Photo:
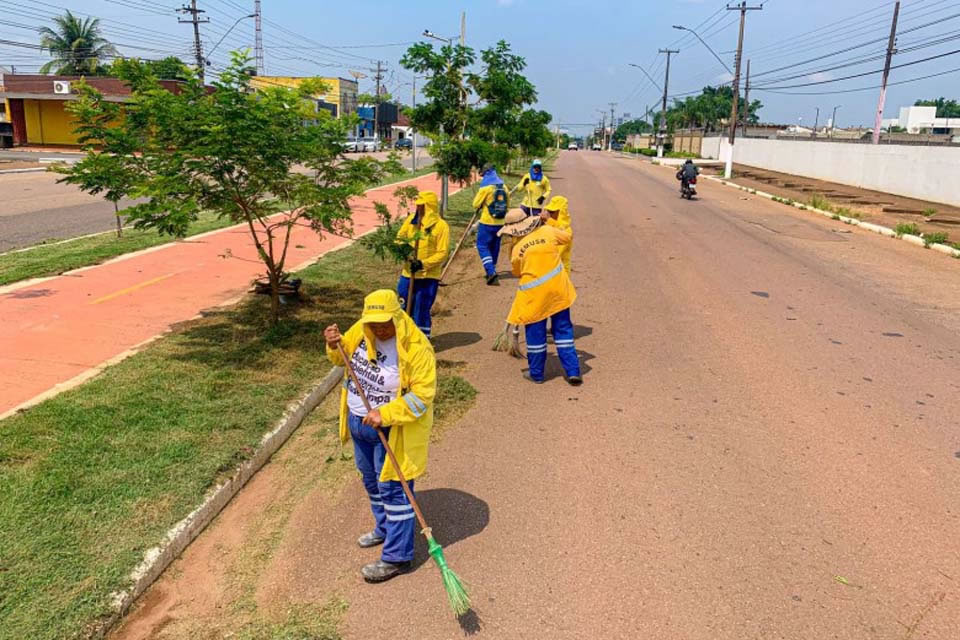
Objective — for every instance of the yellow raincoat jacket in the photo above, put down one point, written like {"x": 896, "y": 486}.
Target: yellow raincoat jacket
{"x": 434, "y": 237}
{"x": 559, "y": 204}
{"x": 411, "y": 414}
{"x": 484, "y": 198}
{"x": 545, "y": 286}
{"x": 533, "y": 189}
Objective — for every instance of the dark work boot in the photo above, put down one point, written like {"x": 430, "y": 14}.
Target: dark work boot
{"x": 368, "y": 540}
{"x": 492, "y": 279}
{"x": 574, "y": 381}
{"x": 381, "y": 571}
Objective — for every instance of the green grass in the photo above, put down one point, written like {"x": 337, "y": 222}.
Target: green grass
{"x": 929, "y": 212}
{"x": 938, "y": 237}
{"x": 93, "y": 477}
{"x": 905, "y": 228}
{"x": 53, "y": 259}
{"x": 818, "y": 201}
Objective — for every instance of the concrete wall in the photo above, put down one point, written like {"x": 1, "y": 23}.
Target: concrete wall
{"x": 927, "y": 173}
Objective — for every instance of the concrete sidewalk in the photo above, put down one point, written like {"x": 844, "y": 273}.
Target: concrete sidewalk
{"x": 57, "y": 332}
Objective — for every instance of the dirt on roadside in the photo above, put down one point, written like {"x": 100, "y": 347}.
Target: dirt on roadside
{"x": 6, "y": 165}
{"x": 872, "y": 206}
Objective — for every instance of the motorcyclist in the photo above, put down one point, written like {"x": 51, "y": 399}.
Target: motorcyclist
{"x": 687, "y": 172}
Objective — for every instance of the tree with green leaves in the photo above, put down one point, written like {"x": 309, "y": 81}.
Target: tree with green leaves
{"x": 169, "y": 68}
{"x": 76, "y": 46}
{"x": 945, "y": 108}
{"x": 230, "y": 151}
{"x": 630, "y": 128}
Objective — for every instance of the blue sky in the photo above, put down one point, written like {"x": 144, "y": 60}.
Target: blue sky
{"x": 577, "y": 51}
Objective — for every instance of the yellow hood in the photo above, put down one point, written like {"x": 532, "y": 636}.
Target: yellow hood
{"x": 431, "y": 208}
{"x": 381, "y": 306}
{"x": 559, "y": 203}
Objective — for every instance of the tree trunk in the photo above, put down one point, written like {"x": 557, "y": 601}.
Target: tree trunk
{"x": 116, "y": 212}
{"x": 274, "y": 276}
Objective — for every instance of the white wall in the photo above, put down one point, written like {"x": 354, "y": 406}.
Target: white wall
{"x": 927, "y": 173}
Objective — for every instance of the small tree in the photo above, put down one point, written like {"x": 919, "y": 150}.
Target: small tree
{"x": 383, "y": 241}
{"x": 232, "y": 151}
{"x": 98, "y": 172}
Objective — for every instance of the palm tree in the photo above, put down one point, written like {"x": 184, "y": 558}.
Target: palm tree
{"x": 76, "y": 46}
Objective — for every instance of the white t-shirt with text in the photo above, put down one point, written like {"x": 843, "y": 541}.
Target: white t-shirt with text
{"x": 380, "y": 380}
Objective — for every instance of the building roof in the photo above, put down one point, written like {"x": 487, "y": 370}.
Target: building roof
{"x": 42, "y": 87}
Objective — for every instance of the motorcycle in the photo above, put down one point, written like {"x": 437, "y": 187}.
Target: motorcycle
{"x": 688, "y": 188}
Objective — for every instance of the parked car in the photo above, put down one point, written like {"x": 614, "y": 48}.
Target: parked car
{"x": 616, "y": 146}
{"x": 597, "y": 146}
{"x": 368, "y": 144}
{"x": 403, "y": 143}
{"x": 349, "y": 145}
{"x": 573, "y": 147}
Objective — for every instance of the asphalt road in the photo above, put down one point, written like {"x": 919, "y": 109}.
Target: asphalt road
{"x": 766, "y": 444}
{"x": 34, "y": 208}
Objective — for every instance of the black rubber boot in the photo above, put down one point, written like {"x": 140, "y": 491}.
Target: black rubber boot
{"x": 368, "y": 540}
{"x": 381, "y": 571}
{"x": 574, "y": 381}
{"x": 492, "y": 279}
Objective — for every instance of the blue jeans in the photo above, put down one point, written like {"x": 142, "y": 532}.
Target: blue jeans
{"x": 392, "y": 512}
{"x": 488, "y": 246}
{"x": 424, "y": 293}
{"x": 562, "y": 329}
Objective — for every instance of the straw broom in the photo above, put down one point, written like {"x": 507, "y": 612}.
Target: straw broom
{"x": 456, "y": 593}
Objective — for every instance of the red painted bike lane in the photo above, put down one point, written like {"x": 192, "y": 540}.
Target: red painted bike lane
{"x": 59, "y": 331}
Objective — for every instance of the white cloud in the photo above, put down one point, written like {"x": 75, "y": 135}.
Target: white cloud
{"x": 820, "y": 76}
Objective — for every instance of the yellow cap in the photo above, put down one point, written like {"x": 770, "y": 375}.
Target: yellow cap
{"x": 380, "y": 306}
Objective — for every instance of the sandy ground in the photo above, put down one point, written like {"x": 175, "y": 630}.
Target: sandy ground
{"x": 874, "y": 206}
{"x": 766, "y": 446}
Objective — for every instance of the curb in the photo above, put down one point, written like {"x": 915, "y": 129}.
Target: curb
{"x": 27, "y": 170}
{"x": 158, "y": 558}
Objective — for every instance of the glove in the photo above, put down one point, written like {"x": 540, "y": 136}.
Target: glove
{"x": 541, "y": 199}
{"x": 526, "y": 181}
{"x": 416, "y": 265}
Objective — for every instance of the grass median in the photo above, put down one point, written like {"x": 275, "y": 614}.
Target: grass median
{"x": 59, "y": 257}
{"x": 92, "y": 478}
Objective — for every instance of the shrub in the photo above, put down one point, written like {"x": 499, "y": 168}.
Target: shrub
{"x": 929, "y": 212}
{"x": 938, "y": 237}
{"x": 904, "y": 228}
{"x": 818, "y": 201}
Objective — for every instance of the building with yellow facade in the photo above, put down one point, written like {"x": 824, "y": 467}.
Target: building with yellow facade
{"x": 340, "y": 99}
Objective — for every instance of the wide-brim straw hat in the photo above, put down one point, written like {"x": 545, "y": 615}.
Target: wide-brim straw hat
{"x": 516, "y": 223}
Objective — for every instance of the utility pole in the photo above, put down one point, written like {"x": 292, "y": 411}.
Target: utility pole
{"x": 746, "y": 100}
{"x": 376, "y": 101}
{"x": 878, "y": 122}
{"x": 742, "y": 8}
{"x": 197, "y": 45}
{"x": 258, "y": 46}
{"x": 662, "y": 135}
{"x": 816, "y": 122}
{"x": 613, "y": 127}
{"x": 413, "y": 132}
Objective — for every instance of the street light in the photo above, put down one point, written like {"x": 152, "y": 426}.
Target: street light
{"x": 430, "y": 34}
{"x": 682, "y": 28}
{"x": 207, "y": 60}
{"x": 646, "y": 74}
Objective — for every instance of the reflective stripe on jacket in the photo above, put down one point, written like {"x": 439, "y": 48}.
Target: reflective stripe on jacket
{"x": 545, "y": 286}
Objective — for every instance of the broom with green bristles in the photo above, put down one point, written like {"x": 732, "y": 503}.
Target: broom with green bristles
{"x": 456, "y": 593}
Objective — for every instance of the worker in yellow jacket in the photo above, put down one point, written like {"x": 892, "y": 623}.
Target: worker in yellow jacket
{"x": 536, "y": 188}
{"x": 425, "y": 267}
{"x": 493, "y": 202}
{"x": 545, "y": 293}
{"x": 556, "y": 214}
{"x": 396, "y": 367}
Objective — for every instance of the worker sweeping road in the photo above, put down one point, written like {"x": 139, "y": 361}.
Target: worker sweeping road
{"x": 557, "y": 215}
{"x": 396, "y": 367}
{"x": 536, "y": 188}
{"x": 545, "y": 293}
{"x": 493, "y": 201}
{"x": 429, "y": 234}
